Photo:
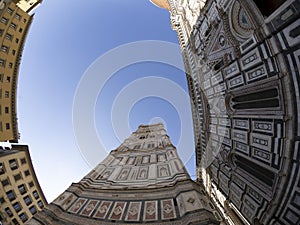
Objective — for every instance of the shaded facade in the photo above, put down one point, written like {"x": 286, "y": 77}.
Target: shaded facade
{"x": 20, "y": 194}
{"x": 242, "y": 65}
{"x": 14, "y": 25}
{"x": 142, "y": 181}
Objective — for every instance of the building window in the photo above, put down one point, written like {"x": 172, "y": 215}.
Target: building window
{"x": 41, "y": 205}
{"x": 17, "y": 16}
{"x": 27, "y": 173}
{"x": 27, "y": 200}
{"x": 13, "y": 164}
{"x": 15, "y": 221}
{"x": 137, "y": 147}
{"x": 9, "y": 212}
{"x": 31, "y": 184}
{"x": 8, "y": 36}
{"x": 2, "y": 168}
{"x": 8, "y": 79}
{"x": 13, "y": 26}
{"x": 2, "y": 62}
{"x": 23, "y": 217}
{"x": 4, "y": 48}
{"x": 7, "y": 125}
{"x": 11, "y": 195}
{"x": 1, "y": 77}
{"x": 22, "y": 189}
{"x": 24, "y": 20}
{"x": 35, "y": 194}
{"x": 13, "y": 52}
{"x": 151, "y": 145}
{"x": 6, "y": 110}
{"x": 5, "y": 182}
{"x": 2, "y": 200}
{"x": 17, "y": 207}
{"x": 32, "y": 209}
{"x": 23, "y": 161}
{"x": 9, "y": 10}
{"x": 20, "y": 30}
{"x": 18, "y": 177}
{"x": 17, "y": 40}
{"x": 6, "y": 94}
{"x": 10, "y": 65}
{"x": 4, "y": 20}
{"x": 1, "y": 32}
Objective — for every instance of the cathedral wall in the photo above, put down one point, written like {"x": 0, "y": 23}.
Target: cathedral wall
{"x": 242, "y": 65}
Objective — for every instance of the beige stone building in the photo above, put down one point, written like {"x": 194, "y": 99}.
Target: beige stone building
{"x": 142, "y": 181}
{"x": 21, "y": 196}
{"x": 14, "y": 24}
{"x": 242, "y": 65}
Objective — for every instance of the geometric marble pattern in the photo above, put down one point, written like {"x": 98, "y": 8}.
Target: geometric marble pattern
{"x": 247, "y": 54}
{"x": 137, "y": 183}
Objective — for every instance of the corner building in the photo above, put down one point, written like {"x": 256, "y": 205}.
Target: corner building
{"x": 143, "y": 181}
{"x": 15, "y": 21}
{"x": 21, "y": 196}
{"x": 242, "y": 65}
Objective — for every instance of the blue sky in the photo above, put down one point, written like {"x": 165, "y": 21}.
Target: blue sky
{"x": 65, "y": 39}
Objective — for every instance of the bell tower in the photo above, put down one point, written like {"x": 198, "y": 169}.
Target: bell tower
{"x": 142, "y": 181}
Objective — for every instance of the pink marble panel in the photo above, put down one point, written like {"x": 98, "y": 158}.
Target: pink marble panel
{"x": 134, "y": 211}
{"x": 89, "y": 208}
{"x": 167, "y": 209}
{"x": 77, "y": 205}
{"x": 150, "y": 211}
{"x": 117, "y": 211}
{"x": 103, "y": 209}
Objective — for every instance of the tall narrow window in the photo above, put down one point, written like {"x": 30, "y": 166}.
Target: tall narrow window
{"x": 2, "y": 62}
{"x": 17, "y": 207}
{"x": 5, "y": 182}
{"x": 41, "y": 205}
{"x": 261, "y": 99}
{"x": 9, "y": 212}
{"x": 13, "y": 164}
{"x": 257, "y": 171}
{"x": 32, "y": 209}
{"x": 22, "y": 189}
{"x": 11, "y": 195}
{"x": 27, "y": 200}
{"x": 35, "y": 194}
